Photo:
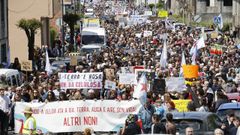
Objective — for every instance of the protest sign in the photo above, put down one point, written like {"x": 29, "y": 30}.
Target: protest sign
{"x": 81, "y": 80}
{"x": 128, "y": 78}
{"x": 175, "y": 84}
{"x": 190, "y": 71}
{"x": 110, "y": 85}
{"x": 148, "y": 13}
{"x": 181, "y": 105}
{"x": 26, "y": 65}
{"x": 73, "y": 61}
{"x": 138, "y": 19}
{"x": 162, "y": 13}
{"x": 75, "y": 116}
{"x": 149, "y": 75}
{"x": 91, "y": 22}
{"x": 147, "y": 33}
{"x": 127, "y": 70}
{"x": 214, "y": 34}
{"x": 138, "y": 35}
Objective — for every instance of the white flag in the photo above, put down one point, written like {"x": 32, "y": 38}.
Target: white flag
{"x": 194, "y": 55}
{"x": 200, "y": 43}
{"x": 48, "y": 67}
{"x": 168, "y": 25}
{"x": 163, "y": 60}
{"x": 220, "y": 25}
{"x": 141, "y": 90}
{"x": 183, "y": 62}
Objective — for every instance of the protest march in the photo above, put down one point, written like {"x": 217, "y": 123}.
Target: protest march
{"x": 133, "y": 73}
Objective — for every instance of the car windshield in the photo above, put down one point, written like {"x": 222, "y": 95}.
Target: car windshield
{"x": 223, "y": 113}
{"x": 183, "y": 124}
{"x": 89, "y": 50}
{"x": 92, "y": 39}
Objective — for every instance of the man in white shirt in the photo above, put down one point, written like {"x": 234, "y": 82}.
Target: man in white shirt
{"x": 4, "y": 111}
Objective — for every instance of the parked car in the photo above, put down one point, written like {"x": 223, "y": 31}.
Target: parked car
{"x": 13, "y": 77}
{"x": 203, "y": 123}
{"x": 225, "y": 108}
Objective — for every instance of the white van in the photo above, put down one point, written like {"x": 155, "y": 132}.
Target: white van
{"x": 13, "y": 77}
{"x": 93, "y": 36}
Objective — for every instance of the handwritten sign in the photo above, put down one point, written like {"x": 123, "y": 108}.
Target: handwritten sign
{"x": 73, "y": 61}
{"x": 26, "y": 65}
{"x": 81, "y": 80}
{"x": 110, "y": 85}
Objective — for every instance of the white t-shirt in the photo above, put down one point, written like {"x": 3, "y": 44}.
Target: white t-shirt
{"x": 4, "y": 103}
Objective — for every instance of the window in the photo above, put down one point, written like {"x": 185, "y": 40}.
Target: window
{"x": 213, "y": 122}
{"x": 207, "y": 3}
{"x": 3, "y": 53}
{"x": 2, "y": 11}
{"x": 227, "y": 2}
{"x": 9, "y": 81}
{"x": 14, "y": 80}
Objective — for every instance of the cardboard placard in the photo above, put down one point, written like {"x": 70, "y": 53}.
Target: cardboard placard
{"x": 110, "y": 85}
{"x": 26, "y": 65}
{"x": 190, "y": 71}
{"x": 214, "y": 35}
{"x": 73, "y": 61}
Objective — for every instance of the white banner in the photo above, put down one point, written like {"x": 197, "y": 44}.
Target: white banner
{"x": 75, "y": 116}
{"x": 128, "y": 78}
{"x": 81, "y": 80}
{"x": 110, "y": 85}
{"x": 175, "y": 84}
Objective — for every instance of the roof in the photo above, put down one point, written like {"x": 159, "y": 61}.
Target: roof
{"x": 190, "y": 115}
{"x": 91, "y": 46}
{"x": 228, "y": 106}
{"x": 8, "y": 71}
{"x": 93, "y": 31}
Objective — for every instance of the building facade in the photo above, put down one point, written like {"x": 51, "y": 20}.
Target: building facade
{"x": 3, "y": 32}
{"x": 43, "y": 10}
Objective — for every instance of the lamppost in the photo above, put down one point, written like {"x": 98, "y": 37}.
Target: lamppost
{"x": 63, "y": 34}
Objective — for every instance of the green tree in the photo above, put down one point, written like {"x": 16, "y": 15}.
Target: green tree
{"x": 53, "y": 35}
{"x": 151, "y": 6}
{"x": 71, "y": 20}
{"x": 160, "y": 4}
{"x": 30, "y": 26}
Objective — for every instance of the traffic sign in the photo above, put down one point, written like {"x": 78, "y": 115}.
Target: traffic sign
{"x": 216, "y": 20}
{"x": 197, "y": 18}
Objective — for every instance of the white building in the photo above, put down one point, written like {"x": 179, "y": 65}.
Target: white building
{"x": 3, "y": 31}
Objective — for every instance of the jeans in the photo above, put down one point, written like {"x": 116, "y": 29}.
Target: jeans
{"x": 4, "y": 122}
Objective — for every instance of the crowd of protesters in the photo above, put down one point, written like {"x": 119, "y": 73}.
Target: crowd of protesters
{"x": 220, "y": 76}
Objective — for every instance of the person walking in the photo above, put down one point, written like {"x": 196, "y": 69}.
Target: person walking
{"x": 170, "y": 126}
{"x": 30, "y": 125}
{"x": 4, "y": 111}
{"x": 157, "y": 126}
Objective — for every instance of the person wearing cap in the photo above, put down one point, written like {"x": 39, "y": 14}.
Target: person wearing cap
{"x": 4, "y": 111}
{"x": 145, "y": 114}
{"x": 30, "y": 125}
